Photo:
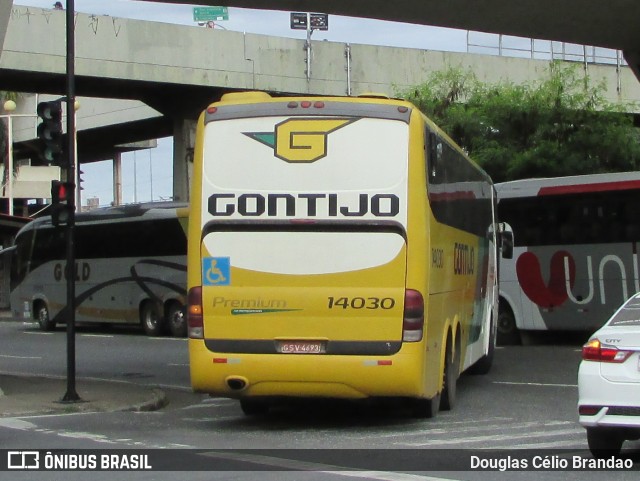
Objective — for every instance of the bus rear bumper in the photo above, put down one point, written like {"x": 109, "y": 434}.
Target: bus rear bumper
{"x": 309, "y": 375}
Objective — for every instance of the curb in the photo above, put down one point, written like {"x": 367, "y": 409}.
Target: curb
{"x": 158, "y": 402}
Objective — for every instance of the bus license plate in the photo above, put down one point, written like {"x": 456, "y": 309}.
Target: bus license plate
{"x": 301, "y": 347}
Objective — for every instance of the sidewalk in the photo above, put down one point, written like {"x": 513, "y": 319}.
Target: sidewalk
{"x": 25, "y": 395}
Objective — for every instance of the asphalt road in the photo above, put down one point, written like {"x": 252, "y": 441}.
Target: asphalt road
{"x": 527, "y": 402}
{"x": 122, "y": 353}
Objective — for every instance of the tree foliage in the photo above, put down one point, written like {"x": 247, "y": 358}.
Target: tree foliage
{"x": 559, "y": 126}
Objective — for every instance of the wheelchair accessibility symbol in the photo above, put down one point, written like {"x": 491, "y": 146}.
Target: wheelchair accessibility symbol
{"x": 216, "y": 271}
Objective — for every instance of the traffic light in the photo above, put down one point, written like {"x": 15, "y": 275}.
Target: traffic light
{"x": 60, "y": 208}
{"x": 50, "y": 132}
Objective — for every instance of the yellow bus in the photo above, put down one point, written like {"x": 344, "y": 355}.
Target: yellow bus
{"x": 338, "y": 248}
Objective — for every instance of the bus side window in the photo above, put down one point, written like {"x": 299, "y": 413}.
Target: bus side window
{"x": 434, "y": 157}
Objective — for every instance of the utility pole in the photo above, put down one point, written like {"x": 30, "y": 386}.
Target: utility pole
{"x": 71, "y": 395}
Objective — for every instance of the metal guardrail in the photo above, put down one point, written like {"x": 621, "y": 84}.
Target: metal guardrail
{"x": 535, "y": 49}
{"x": 510, "y": 46}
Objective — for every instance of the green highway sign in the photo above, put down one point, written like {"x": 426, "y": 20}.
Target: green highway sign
{"x": 207, "y": 14}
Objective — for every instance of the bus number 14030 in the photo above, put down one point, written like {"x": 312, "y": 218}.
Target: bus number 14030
{"x": 361, "y": 303}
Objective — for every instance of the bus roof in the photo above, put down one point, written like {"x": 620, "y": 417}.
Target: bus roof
{"x": 574, "y": 184}
{"x": 130, "y": 210}
{"x": 146, "y": 210}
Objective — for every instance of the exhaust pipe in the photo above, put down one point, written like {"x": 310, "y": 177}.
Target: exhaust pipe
{"x": 237, "y": 383}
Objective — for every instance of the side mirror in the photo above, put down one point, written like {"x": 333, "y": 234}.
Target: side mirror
{"x": 506, "y": 240}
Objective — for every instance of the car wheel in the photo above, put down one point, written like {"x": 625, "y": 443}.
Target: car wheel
{"x": 254, "y": 407}
{"x": 151, "y": 322}
{"x": 508, "y": 334}
{"x": 42, "y": 315}
{"x": 604, "y": 443}
{"x": 176, "y": 320}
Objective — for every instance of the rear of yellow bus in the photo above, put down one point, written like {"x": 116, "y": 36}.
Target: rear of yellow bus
{"x": 298, "y": 241}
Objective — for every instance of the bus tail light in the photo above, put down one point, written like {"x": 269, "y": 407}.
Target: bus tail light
{"x": 195, "y": 319}
{"x": 413, "y": 320}
{"x": 595, "y": 351}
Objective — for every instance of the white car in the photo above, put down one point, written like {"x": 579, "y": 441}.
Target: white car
{"x": 609, "y": 382}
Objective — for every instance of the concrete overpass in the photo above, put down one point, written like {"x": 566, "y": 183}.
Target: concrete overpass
{"x": 177, "y": 70}
{"x": 612, "y": 24}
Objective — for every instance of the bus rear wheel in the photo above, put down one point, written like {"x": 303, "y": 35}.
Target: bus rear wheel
{"x": 448, "y": 397}
{"x": 425, "y": 408}
{"x": 151, "y": 321}
{"x": 42, "y": 315}
{"x": 176, "y": 320}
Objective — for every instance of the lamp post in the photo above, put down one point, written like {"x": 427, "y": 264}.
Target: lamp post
{"x": 9, "y": 106}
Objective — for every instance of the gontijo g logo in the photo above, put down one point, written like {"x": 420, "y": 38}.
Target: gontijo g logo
{"x": 301, "y": 140}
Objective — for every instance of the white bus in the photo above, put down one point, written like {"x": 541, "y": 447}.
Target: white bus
{"x": 130, "y": 268}
{"x": 575, "y": 258}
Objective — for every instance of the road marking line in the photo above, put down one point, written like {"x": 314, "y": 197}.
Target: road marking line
{"x": 550, "y": 445}
{"x": 16, "y": 423}
{"x": 19, "y": 357}
{"x": 175, "y": 387}
{"x": 470, "y": 429}
{"x": 40, "y": 333}
{"x": 494, "y": 437}
{"x": 291, "y": 464}
{"x": 539, "y": 384}
{"x": 99, "y": 438}
{"x": 97, "y": 335}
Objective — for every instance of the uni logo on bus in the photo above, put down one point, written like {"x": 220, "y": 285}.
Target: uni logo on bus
{"x": 301, "y": 140}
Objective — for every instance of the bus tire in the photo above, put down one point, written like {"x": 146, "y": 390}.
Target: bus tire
{"x": 450, "y": 375}
{"x": 151, "y": 321}
{"x": 425, "y": 408}
{"x": 42, "y": 316}
{"x": 508, "y": 334}
{"x": 177, "y": 320}
{"x": 254, "y": 407}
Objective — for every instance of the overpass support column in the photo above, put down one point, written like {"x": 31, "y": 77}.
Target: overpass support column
{"x": 5, "y": 12}
{"x": 184, "y": 134}
{"x": 117, "y": 179}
